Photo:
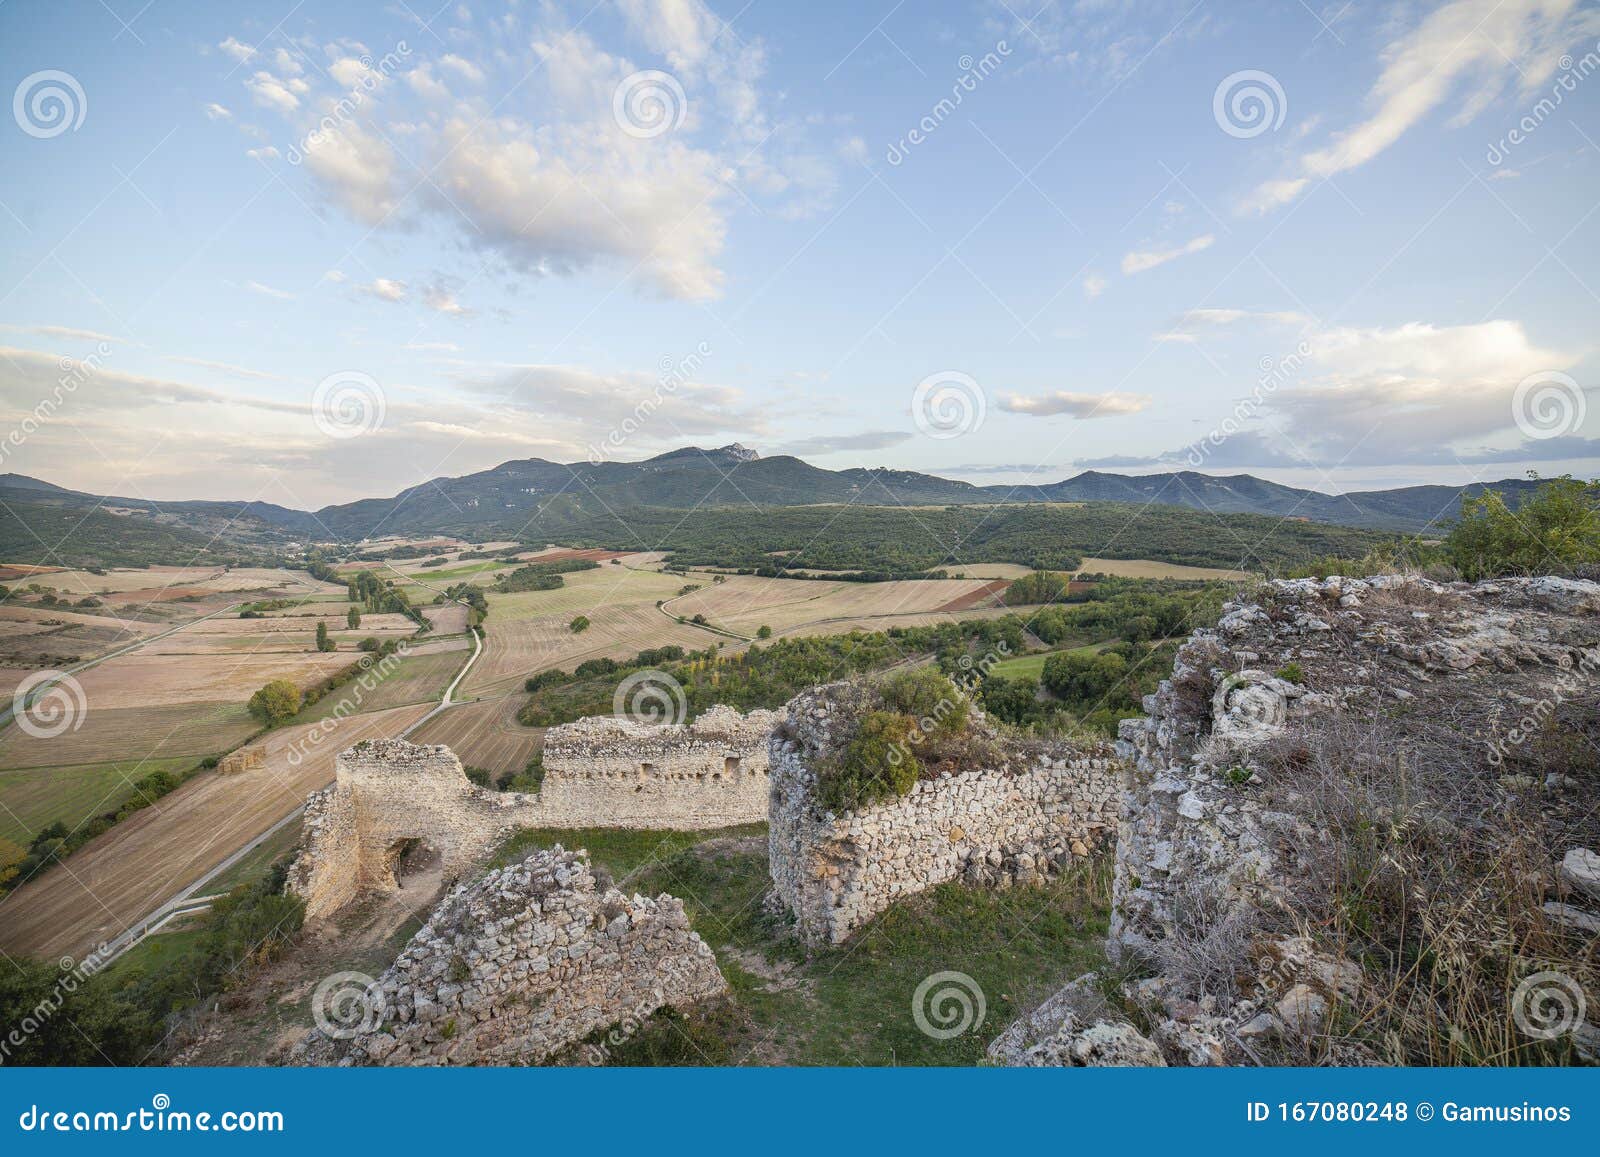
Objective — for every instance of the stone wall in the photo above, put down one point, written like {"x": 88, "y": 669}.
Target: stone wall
{"x": 514, "y": 968}
{"x": 1014, "y": 823}
{"x": 390, "y": 798}
{"x": 610, "y": 771}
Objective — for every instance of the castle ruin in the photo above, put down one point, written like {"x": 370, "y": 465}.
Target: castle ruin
{"x": 396, "y": 808}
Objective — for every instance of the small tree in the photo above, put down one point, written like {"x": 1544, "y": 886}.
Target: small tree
{"x": 352, "y": 618}
{"x": 764, "y": 632}
{"x": 275, "y": 702}
{"x": 1556, "y": 529}
{"x": 579, "y": 625}
{"x": 323, "y": 642}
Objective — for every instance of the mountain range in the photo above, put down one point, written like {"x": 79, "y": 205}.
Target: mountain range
{"x": 520, "y": 494}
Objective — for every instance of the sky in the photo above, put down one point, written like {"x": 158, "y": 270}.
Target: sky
{"x": 308, "y": 253}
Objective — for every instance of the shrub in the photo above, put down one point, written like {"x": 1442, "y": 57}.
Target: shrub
{"x": 1292, "y": 672}
{"x": 877, "y": 763}
{"x": 764, "y": 632}
{"x": 579, "y": 624}
{"x": 1555, "y": 530}
{"x": 275, "y": 702}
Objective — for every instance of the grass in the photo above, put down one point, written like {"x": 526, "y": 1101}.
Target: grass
{"x": 415, "y": 679}
{"x": 851, "y": 1004}
{"x": 33, "y": 798}
{"x": 1032, "y": 666}
{"x": 257, "y": 863}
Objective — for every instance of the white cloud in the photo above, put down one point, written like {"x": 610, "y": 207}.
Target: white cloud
{"x": 441, "y": 300}
{"x": 216, "y": 112}
{"x": 1471, "y": 48}
{"x": 268, "y": 291}
{"x": 1140, "y": 260}
{"x": 224, "y": 367}
{"x": 433, "y": 346}
{"x": 1413, "y": 393}
{"x": 265, "y": 153}
{"x": 65, "y": 331}
{"x": 461, "y": 67}
{"x": 553, "y": 184}
{"x": 239, "y": 52}
{"x": 1094, "y": 285}
{"x": 386, "y": 289}
{"x": 271, "y": 92}
{"x": 1108, "y": 405}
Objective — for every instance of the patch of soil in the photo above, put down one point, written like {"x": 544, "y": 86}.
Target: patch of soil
{"x": 982, "y": 596}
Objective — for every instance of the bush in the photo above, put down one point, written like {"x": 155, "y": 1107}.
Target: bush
{"x": 275, "y": 702}
{"x": 764, "y": 632}
{"x": 579, "y": 624}
{"x": 1552, "y": 532}
{"x": 877, "y": 764}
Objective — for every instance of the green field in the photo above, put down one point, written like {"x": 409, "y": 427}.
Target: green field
{"x": 35, "y": 797}
{"x": 415, "y": 679}
{"x": 1032, "y": 666}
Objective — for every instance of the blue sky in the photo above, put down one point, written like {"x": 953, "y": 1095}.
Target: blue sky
{"x": 798, "y": 238}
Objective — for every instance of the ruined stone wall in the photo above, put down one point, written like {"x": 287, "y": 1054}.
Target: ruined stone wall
{"x": 514, "y": 968}
{"x": 1016, "y": 823}
{"x": 1209, "y": 853}
{"x": 616, "y": 772}
{"x": 599, "y": 772}
{"x": 387, "y": 792}
{"x": 1398, "y": 649}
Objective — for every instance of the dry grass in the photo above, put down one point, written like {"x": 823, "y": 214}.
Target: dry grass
{"x": 1432, "y": 871}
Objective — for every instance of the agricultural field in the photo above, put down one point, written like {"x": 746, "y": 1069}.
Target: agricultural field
{"x": 120, "y": 876}
{"x": 420, "y": 677}
{"x": 1145, "y": 568}
{"x": 485, "y": 734}
{"x": 744, "y": 603}
{"x": 528, "y": 631}
{"x": 177, "y": 696}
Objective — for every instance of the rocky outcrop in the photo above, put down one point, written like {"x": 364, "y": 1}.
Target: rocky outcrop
{"x": 1217, "y": 841}
{"x": 1041, "y": 806}
{"x": 514, "y": 968}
